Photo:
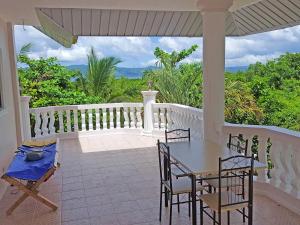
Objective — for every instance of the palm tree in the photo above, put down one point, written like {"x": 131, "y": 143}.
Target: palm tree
{"x": 25, "y": 49}
{"x": 100, "y": 70}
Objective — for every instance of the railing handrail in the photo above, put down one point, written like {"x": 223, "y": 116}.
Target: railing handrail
{"x": 169, "y": 105}
{"x": 86, "y": 106}
{"x": 278, "y": 132}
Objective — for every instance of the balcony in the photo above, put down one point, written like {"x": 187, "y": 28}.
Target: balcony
{"x": 109, "y": 167}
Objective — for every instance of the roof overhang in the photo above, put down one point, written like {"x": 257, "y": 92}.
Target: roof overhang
{"x": 65, "y": 20}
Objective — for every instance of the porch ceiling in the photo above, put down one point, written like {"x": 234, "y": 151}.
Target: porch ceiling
{"x": 262, "y": 16}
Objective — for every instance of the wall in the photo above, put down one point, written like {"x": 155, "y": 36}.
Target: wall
{"x": 8, "y": 140}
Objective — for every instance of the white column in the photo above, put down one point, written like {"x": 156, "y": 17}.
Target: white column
{"x": 15, "y": 81}
{"x": 26, "y": 128}
{"x": 149, "y": 98}
{"x": 213, "y": 14}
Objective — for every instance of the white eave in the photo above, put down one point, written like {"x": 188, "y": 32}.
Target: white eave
{"x": 262, "y": 16}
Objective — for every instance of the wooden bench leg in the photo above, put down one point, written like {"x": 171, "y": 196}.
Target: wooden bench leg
{"x": 30, "y": 191}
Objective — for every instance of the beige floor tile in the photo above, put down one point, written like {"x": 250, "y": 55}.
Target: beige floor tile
{"x": 114, "y": 180}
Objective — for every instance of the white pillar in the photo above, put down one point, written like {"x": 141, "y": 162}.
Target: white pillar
{"x": 149, "y": 98}
{"x": 213, "y": 14}
{"x": 26, "y": 134}
{"x": 14, "y": 80}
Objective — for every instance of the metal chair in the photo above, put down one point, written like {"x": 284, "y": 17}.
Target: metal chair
{"x": 232, "y": 170}
{"x": 172, "y": 186}
{"x": 238, "y": 144}
{"x": 178, "y": 135}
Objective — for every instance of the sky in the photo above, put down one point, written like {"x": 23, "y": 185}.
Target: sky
{"x": 138, "y": 51}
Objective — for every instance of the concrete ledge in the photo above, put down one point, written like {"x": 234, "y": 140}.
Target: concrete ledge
{"x": 277, "y": 195}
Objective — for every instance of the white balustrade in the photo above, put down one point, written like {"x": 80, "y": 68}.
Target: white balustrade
{"x": 111, "y": 118}
{"x": 37, "y": 126}
{"x": 284, "y": 154}
{"x": 98, "y": 125}
{"x": 83, "y": 121}
{"x": 126, "y": 118}
{"x": 172, "y": 116}
{"x": 49, "y": 121}
{"x": 118, "y": 117}
{"x": 132, "y": 117}
{"x": 139, "y": 122}
{"x": 104, "y": 111}
{"x": 68, "y": 121}
{"x": 90, "y": 124}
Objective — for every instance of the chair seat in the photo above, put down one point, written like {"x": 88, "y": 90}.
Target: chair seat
{"x": 182, "y": 185}
{"x": 225, "y": 182}
{"x": 176, "y": 171}
{"x": 227, "y": 197}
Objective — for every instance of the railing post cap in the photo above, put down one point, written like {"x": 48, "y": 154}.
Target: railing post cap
{"x": 149, "y": 93}
{"x": 25, "y": 98}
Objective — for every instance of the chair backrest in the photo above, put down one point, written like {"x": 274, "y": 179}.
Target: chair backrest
{"x": 165, "y": 169}
{"x": 232, "y": 172}
{"x": 178, "y": 135}
{"x": 238, "y": 144}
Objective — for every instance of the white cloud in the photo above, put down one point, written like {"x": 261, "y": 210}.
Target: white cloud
{"x": 138, "y": 51}
{"x": 170, "y": 43}
{"x": 151, "y": 62}
{"x": 251, "y": 59}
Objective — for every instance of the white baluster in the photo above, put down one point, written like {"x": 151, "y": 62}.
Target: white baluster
{"x": 296, "y": 168}
{"x": 276, "y": 160}
{"x": 90, "y": 124}
{"x": 126, "y": 118}
{"x": 156, "y": 120}
{"x": 104, "y": 112}
{"x": 287, "y": 173}
{"x": 139, "y": 117}
{"x": 61, "y": 122}
{"x": 111, "y": 118}
{"x": 132, "y": 117}
{"x": 118, "y": 125}
{"x": 169, "y": 119}
{"x": 45, "y": 121}
{"x": 51, "y": 123}
{"x": 37, "y": 130}
{"x": 97, "y": 119}
{"x": 83, "y": 122}
{"x": 171, "y": 116}
{"x": 68, "y": 121}
{"x": 162, "y": 118}
{"x": 262, "y": 156}
{"x": 247, "y": 136}
{"x": 75, "y": 113}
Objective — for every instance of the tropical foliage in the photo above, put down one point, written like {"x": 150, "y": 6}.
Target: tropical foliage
{"x": 49, "y": 83}
{"x": 267, "y": 94}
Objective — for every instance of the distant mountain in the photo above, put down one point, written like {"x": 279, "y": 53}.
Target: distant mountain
{"x": 134, "y": 73}
{"x": 235, "y": 69}
{"x": 120, "y": 71}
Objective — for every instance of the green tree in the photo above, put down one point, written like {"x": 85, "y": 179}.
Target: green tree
{"x": 25, "y": 49}
{"x": 177, "y": 83}
{"x": 100, "y": 72}
{"x": 50, "y": 84}
{"x": 170, "y": 60}
{"x": 240, "y": 104}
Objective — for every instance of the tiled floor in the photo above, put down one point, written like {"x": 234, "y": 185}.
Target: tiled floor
{"x": 113, "y": 180}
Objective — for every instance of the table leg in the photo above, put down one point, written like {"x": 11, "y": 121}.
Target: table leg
{"x": 165, "y": 177}
{"x": 194, "y": 205}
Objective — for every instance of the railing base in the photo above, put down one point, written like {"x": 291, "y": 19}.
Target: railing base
{"x": 288, "y": 201}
